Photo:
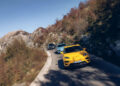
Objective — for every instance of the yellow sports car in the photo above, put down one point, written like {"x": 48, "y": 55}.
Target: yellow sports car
{"x": 74, "y": 54}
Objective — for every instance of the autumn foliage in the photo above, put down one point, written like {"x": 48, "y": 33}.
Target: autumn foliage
{"x": 95, "y": 24}
{"x": 20, "y": 63}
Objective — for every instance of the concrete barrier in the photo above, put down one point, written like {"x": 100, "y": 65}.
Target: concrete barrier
{"x": 44, "y": 70}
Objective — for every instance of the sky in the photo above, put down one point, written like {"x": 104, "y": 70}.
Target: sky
{"x": 28, "y": 15}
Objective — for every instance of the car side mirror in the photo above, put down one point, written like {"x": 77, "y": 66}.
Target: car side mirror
{"x": 61, "y": 52}
{"x": 84, "y": 49}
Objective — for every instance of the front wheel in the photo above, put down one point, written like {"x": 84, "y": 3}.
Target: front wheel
{"x": 66, "y": 67}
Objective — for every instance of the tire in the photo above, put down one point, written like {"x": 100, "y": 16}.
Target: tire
{"x": 65, "y": 67}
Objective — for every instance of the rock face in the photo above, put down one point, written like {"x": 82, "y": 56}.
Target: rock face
{"x": 8, "y": 39}
{"x": 39, "y": 36}
{"x": 27, "y": 37}
{"x": 38, "y": 32}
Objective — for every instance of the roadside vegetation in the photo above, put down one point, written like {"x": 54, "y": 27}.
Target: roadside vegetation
{"x": 20, "y": 63}
{"x": 95, "y": 25}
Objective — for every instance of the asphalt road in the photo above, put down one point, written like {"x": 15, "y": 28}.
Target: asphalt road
{"x": 98, "y": 73}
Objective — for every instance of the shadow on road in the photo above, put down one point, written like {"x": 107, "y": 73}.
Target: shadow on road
{"x": 71, "y": 68}
{"x": 99, "y": 73}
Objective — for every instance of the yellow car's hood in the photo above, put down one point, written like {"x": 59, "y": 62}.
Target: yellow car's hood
{"x": 76, "y": 56}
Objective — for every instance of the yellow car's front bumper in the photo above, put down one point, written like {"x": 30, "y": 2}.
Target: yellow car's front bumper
{"x": 68, "y": 63}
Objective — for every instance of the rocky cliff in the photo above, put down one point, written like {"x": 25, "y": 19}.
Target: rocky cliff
{"x": 28, "y": 38}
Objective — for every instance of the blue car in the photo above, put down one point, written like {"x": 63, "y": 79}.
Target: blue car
{"x": 60, "y": 48}
{"x": 51, "y": 46}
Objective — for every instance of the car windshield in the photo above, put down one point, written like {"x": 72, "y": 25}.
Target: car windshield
{"x": 51, "y": 44}
{"x": 61, "y": 45}
{"x": 72, "y": 49}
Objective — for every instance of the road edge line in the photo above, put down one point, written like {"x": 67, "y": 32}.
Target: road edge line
{"x": 40, "y": 77}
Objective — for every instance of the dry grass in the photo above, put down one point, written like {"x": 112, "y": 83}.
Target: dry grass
{"x": 20, "y": 63}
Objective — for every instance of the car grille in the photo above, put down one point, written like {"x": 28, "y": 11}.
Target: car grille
{"x": 66, "y": 61}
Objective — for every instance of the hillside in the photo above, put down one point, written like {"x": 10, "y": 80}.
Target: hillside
{"x": 20, "y": 58}
{"x": 30, "y": 39}
{"x": 95, "y": 25}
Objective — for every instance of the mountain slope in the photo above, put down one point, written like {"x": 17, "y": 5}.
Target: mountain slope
{"x": 20, "y": 58}
{"x": 95, "y": 25}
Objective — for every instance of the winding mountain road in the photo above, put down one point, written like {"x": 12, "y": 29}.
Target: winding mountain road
{"x": 98, "y": 73}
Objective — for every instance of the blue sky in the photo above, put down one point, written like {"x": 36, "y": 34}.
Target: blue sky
{"x": 28, "y": 15}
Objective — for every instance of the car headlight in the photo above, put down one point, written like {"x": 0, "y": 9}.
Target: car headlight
{"x": 84, "y": 54}
{"x": 66, "y": 57}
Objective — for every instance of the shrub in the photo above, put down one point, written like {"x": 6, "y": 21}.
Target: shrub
{"x": 20, "y": 63}
{"x": 100, "y": 19}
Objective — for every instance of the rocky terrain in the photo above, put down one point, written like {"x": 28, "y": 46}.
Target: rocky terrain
{"x": 20, "y": 34}
{"x": 20, "y": 57}
{"x": 8, "y": 39}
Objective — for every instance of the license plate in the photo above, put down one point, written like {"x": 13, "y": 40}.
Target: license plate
{"x": 77, "y": 61}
